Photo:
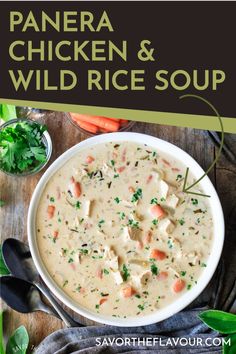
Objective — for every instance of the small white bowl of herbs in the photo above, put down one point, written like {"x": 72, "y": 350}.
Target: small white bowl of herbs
{"x": 25, "y": 147}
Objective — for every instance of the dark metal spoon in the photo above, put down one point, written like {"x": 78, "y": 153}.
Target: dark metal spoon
{"x": 19, "y": 261}
{"x": 22, "y": 296}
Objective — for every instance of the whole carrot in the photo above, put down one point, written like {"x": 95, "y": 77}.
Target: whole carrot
{"x": 101, "y": 122}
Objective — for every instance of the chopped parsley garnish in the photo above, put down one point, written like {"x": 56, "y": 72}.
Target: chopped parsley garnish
{"x": 78, "y": 204}
{"x": 137, "y": 296}
{"x": 141, "y": 307}
{"x": 70, "y": 260}
{"x": 181, "y": 222}
{"x": 194, "y": 201}
{"x": 52, "y": 199}
{"x": 189, "y": 286}
{"x": 97, "y": 306}
{"x": 116, "y": 175}
{"x": 78, "y": 288}
{"x": 83, "y": 251}
{"x": 125, "y": 272}
{"x": 182, "y": 273}
{"x": 203, "y": 265}
{"x": 2, "y": 203}
{"x": 154, "y": 269}
{"x": 154, "y": 201}
{"x": 100, "y": 223}
{"x": 163, "y": 199}
{"x": 170, "y": 244}
{"x": 155, "y": 222}
{"x": 137, "y": 195}
{"x": 112, "y": 162}
{"x": 178, "y": 177}
{"x": 122, "y": 215}
{"x": 133, "y": 223}
{"x": 117, "y": 200}
{"x": 105, "y": 271}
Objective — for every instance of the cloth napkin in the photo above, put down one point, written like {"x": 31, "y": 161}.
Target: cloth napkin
{"x": 220, "y": 294}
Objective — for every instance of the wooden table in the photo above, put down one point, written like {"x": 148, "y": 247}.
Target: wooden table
{"x": 16, "y": 192}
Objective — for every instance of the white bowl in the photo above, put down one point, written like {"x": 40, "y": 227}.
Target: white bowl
{"x": 218, "y": 234}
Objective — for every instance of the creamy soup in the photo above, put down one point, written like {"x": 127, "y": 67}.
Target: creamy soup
{"x": 116, "y": 232}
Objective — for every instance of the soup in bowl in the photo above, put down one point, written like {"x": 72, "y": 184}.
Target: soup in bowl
{"x": 115, "y": 237}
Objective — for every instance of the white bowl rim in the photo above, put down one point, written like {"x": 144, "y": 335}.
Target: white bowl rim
{"x": 206, "y": 185}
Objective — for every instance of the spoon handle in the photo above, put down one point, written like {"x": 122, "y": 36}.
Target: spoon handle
{"x": 66, "y": 318}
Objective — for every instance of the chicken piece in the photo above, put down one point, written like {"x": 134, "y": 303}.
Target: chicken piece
{"x": 193, "y": 257}
{"x": 157, "y": 174}
{"x": 88, "y": 205}
{"x": 118, "y": 277}
{"x": 164, "y": 188}
{"x": 172, "y": 201}
{"x": 111, "y": 259}
{"x": 142, "y": 279}
{"x": 107, "y": 170}
{"x": 166, "y": 226}
{"x": 131, "y": 233}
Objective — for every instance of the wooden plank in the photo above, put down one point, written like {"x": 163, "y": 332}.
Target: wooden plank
{"x": 17, "y": 193}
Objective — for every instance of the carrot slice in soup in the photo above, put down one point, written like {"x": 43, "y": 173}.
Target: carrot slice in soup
{"x": 89, "y": 159}
{"x": 157, "y": 254}
{"x": 51, "y": 211}
{"x": 128, "y": 291}
{"x": 102, "y": 301}
{"x": 179, "y": 285}
{"x": 157, "y": 211}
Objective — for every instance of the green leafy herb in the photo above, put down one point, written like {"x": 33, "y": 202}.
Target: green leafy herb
{"x": 141, "y": 307}
{"x": 194, "y": 201}
{"x": 170, "y": 243}
{"x": 83, "y": 251}
{"x": 220, "y": 321}
{"x": 21, "y": 147}
{"x": 52, "y": 199}
{"x": 97, "y": 306}
{"x": 137, "y": 195}
{"x": 116, "y": 175}
{"x": 117, "y": 200}
{"x": 133, "y": 223}
{"x": 2, "y": 203}
{"x": 112, "y": 162}
{"x": 229, "y": 348}
{"x": 181, "y": 222}
{"x": 100, "y": 223}
{"x": 3, "y": 268}
{"x": 70, "y": 260}
{"x": 125, "y": 272}
{"x": 105, "y": 271}
{"x": 183, "y": 273}
{"x": 7, "y": 112}
{"x": 122, "y": 215}
{"x": 154, "y": 201}
{"x": 78, "y": 204}
{"x": 155, "y": 222}
{"x": 18, "y": 342}
{"x": 154, "y": 269}
{"x": 178, "y": 177}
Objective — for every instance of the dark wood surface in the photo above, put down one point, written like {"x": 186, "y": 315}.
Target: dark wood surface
{"x": 17, "y": 193}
